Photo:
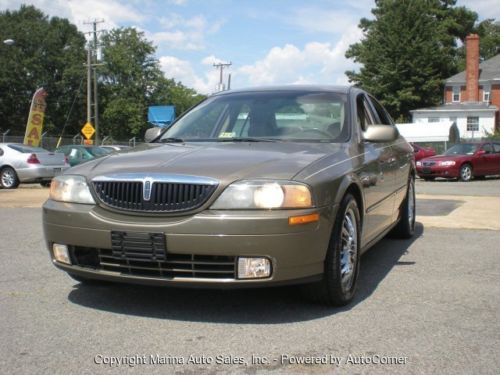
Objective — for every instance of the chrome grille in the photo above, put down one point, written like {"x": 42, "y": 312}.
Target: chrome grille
{"x": 428, "y": 163}
{"x": 163, "y": 196}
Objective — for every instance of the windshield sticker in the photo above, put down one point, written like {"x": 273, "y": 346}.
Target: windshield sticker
{"x": 227, "y": 135}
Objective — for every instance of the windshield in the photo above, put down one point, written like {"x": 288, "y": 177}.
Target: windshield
{"x": 27, "y": 149}
{"x": 263, "y": 116}
{"x": 462, "y": 149}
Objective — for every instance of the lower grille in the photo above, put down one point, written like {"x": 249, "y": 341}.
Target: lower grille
{"x": 144, "y": 254}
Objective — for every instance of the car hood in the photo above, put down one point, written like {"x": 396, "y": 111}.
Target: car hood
{"x": 225, "y": 162}
{"x": 445, "y": 157}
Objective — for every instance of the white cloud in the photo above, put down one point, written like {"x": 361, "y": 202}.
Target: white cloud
{"x": 315, "y": 63}
{"x": 485, "y": 8}
{"x": 177, "y": 2}
{"x": 113, "y": 12}
{"x": 182, "y": 70}
{"x": 184, "y": 33}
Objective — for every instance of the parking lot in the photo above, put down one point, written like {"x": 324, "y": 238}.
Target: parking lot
{"x": 426, "y": 305}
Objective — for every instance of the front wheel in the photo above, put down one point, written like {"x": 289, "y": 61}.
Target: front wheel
{"x": 8, "y": 178}
{"x": 342, "y": 259}
{"x": 466, "y": 172}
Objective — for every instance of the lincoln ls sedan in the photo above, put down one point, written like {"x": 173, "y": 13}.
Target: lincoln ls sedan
{"x": 250, "y": 188}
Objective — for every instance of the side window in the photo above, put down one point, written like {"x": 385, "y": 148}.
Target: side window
{"x": 487, "y": 147}
{"x": 364, "y": 116}
{"x": 496, "y": 148}
{"x": 382, "y": 114}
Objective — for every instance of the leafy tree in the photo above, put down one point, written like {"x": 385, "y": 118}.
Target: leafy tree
{"x": 131, "y": 80}
{"x": 408, "y": 49}
{"x": 489, "y": 33}
{"x": 47, "y": 52}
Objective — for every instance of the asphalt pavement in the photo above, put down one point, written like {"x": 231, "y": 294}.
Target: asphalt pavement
{"x": 430, "y": 305}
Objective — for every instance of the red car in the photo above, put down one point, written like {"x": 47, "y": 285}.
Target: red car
{"x": 422, "y": 152}
{"x": 463, "y": 161}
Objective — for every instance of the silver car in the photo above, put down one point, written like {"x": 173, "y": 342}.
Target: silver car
{"x": 21, "y": 163}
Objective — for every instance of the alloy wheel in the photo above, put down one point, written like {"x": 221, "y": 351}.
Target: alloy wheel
{"x": 349, "y": 249}
{"x": 466, "y": 173}
{"x": 8, "y": 178}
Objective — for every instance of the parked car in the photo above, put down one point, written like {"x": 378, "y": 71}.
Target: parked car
{"x": 422, "y": 152}
{"x": 463, "y": 161}
{"x": 21, "y": 163}
{"x": 258, "y": 187}
{"x": 77, "y": 154}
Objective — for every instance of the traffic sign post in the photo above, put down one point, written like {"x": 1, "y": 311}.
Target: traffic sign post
{"x": 88, "y": 130}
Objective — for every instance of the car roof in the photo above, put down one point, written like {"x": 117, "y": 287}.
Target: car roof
{"x": 288, "y": 88}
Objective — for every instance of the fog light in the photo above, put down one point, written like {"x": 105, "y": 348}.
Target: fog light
{"x": 253, "y": 268}
{"x": 61, "y": 253}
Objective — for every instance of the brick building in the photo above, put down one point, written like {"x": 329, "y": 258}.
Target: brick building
{"x": 471, "y": 98}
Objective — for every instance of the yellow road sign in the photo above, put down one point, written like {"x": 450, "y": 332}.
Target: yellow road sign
{"x": 88, "y": 130}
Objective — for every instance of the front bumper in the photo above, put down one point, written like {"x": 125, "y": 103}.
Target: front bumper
{"x": 296, "y": 252}
{"x": 437, "y": 171}
{"x": 38, "y": 172}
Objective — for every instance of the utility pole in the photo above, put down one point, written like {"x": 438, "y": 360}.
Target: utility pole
{"x": 221, "y": 67}
{"x": 93, "y": 65}
{"x": 89, "y": 84}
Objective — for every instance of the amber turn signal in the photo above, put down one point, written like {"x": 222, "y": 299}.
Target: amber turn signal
{"x": 303, "y": 219}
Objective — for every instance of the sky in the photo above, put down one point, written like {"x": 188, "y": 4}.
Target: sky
{"x": 268, "y": 42}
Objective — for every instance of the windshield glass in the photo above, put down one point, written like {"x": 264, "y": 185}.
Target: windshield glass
{"x": 292, "y": 116}
{"x": 27, "y": 149}
{"x": 462, "y": 149}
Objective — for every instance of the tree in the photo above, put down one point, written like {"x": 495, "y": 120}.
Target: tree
{"x": 408, "y": 49}
{"x": 47, "y": 52}
{"x": 489, "y": 33}
{"x": 131, "y": 80}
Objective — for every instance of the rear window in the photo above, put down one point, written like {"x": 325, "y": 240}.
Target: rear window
{"x": 27, "y": 149}
{"x": 98, "y": 151}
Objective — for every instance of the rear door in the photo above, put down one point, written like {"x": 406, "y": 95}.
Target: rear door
{"x": 485, "y": 164}
{"x": 496, "y": 158}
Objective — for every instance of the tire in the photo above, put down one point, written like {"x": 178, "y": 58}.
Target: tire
{"x": 86, "y": 281}
{"x": 406, "y": 225}
{"x": 466, "y": 172}
{"x": 8, "y": 178}
{"x": 429, "y": 179}
{"x": 343, "y": 257}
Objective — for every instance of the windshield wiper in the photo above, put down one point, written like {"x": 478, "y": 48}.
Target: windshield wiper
{"x": 171, "y": 140}
{"x": 247, "y": 139}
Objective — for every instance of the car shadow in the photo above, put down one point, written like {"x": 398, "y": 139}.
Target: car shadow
{"x": 242, "y": 306}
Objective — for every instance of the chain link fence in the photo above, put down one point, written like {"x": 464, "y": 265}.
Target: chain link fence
{"x": 51, "y": 143}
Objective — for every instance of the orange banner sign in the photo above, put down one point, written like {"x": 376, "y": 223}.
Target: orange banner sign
{"x": 35, "y": 119}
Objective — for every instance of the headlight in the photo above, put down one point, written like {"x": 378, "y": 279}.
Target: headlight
{"x": 447, "y": 163}
{"x": 264, "y": 195}
{"x": 419, "y": 163}
{"x": 70, "y": 188}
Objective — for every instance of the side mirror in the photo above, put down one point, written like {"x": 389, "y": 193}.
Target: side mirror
{"x": 380, "y": 133}
{"x": 152, "y": 133}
